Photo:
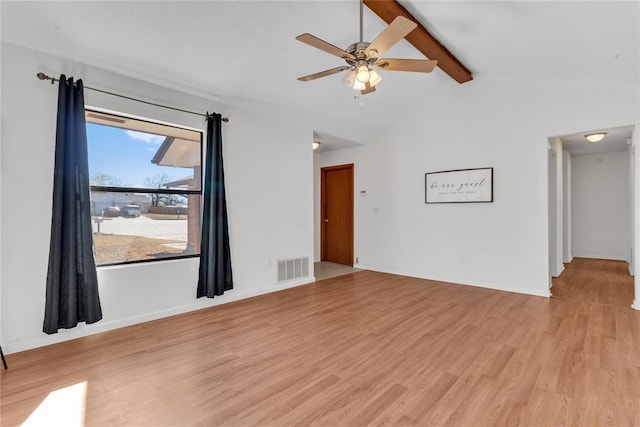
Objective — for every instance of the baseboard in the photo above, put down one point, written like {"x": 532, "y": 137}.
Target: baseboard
{"x": 526, "y": 291}
{"x": 604, "y": 257}
{"x": 83, "y": 330}
{"x": 558, "y": 273}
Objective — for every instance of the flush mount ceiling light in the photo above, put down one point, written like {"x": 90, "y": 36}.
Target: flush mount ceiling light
{"x": 595, "y": 137}
{"x": 316, "y": 144}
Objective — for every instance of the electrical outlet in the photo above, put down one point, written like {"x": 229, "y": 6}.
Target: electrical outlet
{"x": 357, "y": 260}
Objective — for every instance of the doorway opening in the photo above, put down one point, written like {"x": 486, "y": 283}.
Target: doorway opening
{"x": 592, "y": 217}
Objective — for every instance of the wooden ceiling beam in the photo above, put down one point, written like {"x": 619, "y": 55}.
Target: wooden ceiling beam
{"x": 388, "y": 10}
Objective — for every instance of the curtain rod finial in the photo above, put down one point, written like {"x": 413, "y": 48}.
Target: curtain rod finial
{"x": 43, "y": 76}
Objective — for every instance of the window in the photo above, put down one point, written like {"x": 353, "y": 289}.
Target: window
{"x": 145, "y": 189}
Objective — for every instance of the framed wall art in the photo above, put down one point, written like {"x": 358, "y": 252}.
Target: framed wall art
{"x": 459, "y": 186}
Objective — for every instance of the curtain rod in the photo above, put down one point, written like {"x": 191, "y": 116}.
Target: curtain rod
{"x": 43, "y": 76}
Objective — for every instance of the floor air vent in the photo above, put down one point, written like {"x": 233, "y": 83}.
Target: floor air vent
{"x": 294, "y": 268}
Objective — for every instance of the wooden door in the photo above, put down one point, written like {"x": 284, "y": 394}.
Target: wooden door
{"x": 336, "y": 216}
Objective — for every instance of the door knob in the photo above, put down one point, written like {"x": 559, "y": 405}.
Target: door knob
{"x": 326, "y": 220}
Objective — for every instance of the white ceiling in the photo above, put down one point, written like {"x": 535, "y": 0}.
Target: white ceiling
{"x": 616, "y": 139}
{"x": 330, "y": 142}
{"x": 245, "y": 52}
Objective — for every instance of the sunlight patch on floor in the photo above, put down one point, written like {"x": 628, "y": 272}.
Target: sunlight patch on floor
{"x": 63, "y": 407}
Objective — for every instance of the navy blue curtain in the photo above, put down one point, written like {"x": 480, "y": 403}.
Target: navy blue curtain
{"x": 72, "y": 283}
{"x": 215, "y": 275}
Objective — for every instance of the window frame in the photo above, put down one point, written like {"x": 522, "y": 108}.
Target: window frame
{"x": 142, "y": 190}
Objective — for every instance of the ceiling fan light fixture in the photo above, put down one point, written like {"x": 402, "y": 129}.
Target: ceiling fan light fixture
{"x": 374, "y": 78}
{"x": 349, "y": 78}
{"x": 595, "y": 137}
{"x": 357, "y": 85}
{"x": 363, "y": 74}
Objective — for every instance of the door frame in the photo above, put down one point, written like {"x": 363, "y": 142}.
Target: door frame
{"x": 323, "y": 227}
{"x": 634, "y": 196}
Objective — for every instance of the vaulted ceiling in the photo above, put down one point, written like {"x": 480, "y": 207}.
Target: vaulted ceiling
{"x": 245, "y": 52}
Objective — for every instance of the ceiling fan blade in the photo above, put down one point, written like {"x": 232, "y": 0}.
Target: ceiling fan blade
{"x": 324, "y": 46}
{"x": 395, "y": 32}
{"x": 323, "y": 73}
{"x": 416, "y": 65}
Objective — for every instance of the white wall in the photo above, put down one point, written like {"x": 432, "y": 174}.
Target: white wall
{"x": 567, "y": 253}
{"x": 600, "y": 201}
{"x": 268, "y": 167}
{"x": 553, "y": 212}
{"x": 316, "y": 208}
{"x": 558, "y": 216}
{"x": 632, "y": 207}
{"x": 487, "y": 122}
{"x": 636, "y": 228}
{"x": 1, "y": 183}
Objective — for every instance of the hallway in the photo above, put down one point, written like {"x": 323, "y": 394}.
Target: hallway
{"x": 597, "y": 281}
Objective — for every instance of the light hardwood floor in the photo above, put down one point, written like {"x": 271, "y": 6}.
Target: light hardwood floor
{"x": 599, "y": 281}
{"x": 365, "y": 348}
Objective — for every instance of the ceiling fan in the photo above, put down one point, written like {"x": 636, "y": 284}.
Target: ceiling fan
{"x": 362, "y": 57}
